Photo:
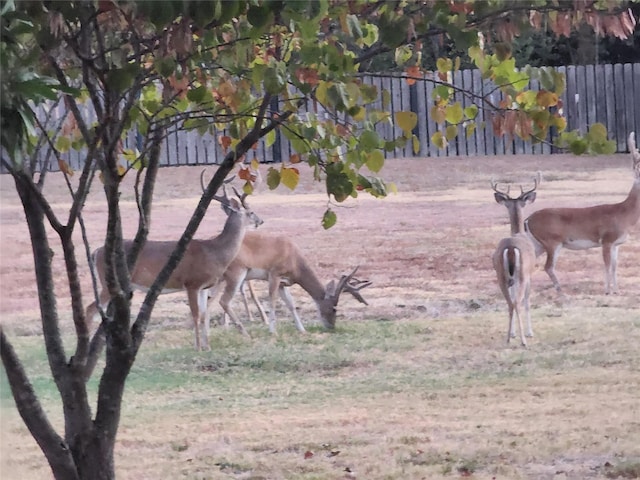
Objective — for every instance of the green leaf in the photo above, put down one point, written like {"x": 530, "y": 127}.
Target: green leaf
{"x": 338, "y": 183}
{"x": 259, "y": 15}
{"x": 375, "y": 161}
{"x": 407, "y": 121}
{"x": 63, "y": 144}
{"x": 439, "y": 140}
{"x": 597, "y": 132}
{"x": 196, "y": 95}
{"x": 369, "y": 140}
{"x": 329, "y": 219}
{"x": 451, "y": 132}
{"x": 273, "y": 178}
{"x": 270, "y": 138}
{"x": 416, "y": 144}
{"x": 454, "y": 113}
{"x": 471, "y": 112}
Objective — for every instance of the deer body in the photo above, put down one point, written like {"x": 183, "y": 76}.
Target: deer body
{"x": 276, "y": 259}
{"x": 514, "y": 261}
{"x": 605, "y": 226}
{"x": 202, "y": 266}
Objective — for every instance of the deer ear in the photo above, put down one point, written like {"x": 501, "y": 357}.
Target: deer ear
{"x": 330, "y": 289}
{"x": 235, "y": 203}
{"x": 529, "y": 197}
{"x": 500, "y": 197}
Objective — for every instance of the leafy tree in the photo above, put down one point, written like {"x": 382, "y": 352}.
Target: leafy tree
{"x": 248, "y": 68}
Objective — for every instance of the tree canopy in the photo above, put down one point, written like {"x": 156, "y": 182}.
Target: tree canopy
{"x": 245, "y": 68}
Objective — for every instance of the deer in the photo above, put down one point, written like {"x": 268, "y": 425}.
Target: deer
{"x": 605, "y": 226}
{"x": 277, "y": 260}
{"x": 202, "y": 266}
{"x": 514, "y": 261}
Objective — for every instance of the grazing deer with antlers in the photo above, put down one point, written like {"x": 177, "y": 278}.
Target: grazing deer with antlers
{"x": 515, "y": 260}
{"x": 276, "y": 259}
{"x": 202, "y": 266}
{"x": 605, "y": 226}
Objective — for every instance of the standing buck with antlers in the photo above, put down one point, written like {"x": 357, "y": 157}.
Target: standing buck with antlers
{"x": 202, "y": 266}
{"x": 605, "y": 226}
{"x": 515, "y": 260}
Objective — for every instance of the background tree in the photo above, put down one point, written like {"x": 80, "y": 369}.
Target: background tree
{"x": 246, "y": 67}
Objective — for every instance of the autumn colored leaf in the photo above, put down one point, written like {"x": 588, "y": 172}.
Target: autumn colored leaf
{"x": 411, "y": 72}
{"x": 294, "y": 158}
{"x": 546, "y": 99}
{"x": 65, "y": 168}
{"x": 308, "y": 454}
{"x": 225, "y": 142}
{"x": 439, "y": 140}
{"x": 289, "y": 176}
{"x": 407, "y": 121}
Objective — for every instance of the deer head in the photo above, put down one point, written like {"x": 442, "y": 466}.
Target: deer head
{"x": 237, "y": 205}
{"x": 348, "y": 283}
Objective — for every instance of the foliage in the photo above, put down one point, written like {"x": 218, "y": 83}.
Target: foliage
{"x": 246, "y": 68}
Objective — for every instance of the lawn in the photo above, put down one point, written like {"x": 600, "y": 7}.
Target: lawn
{"x": 419, "y": 384}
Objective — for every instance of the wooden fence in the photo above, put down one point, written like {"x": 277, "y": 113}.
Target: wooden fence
{"x": 609, "y": 94}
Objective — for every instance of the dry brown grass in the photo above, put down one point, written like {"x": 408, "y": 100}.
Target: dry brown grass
{"x": 418, "y": 385}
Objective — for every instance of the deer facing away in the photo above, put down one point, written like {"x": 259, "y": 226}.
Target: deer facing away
{"x": 605, "y": 226}
{"x": 514, "y": 261}
{"x": 276, "y": 259}
{"x": 202, "y": 266}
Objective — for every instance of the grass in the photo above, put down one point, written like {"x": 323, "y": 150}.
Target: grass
{"x": 393, "y": 397}
{"x": 420, "y": 384}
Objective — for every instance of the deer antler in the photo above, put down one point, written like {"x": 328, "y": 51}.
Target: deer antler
{"x": 352, "y": 285}
{"x": 495, "y": 185}
{"x": 535, "y": 186}
{"x": 224, "y": 199}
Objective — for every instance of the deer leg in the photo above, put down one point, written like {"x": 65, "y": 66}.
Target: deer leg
{"x": 550, "y": 265}
{"x": 93, "y": 311}
{"x": 285, "y": 294}
{"x": 192, "y": 296}
{"x": 610, "y": 257}
{"x": 274, "y": 285}
{"x": 527, "y": 307}
{"x": 203, "y": 318}
{"x": 511, "y": 332}
{"x": 523, "y": 341}
{"x": 225, "y": 302}
{"x": 263, "y": 314}
{"x": 244, "y": 299}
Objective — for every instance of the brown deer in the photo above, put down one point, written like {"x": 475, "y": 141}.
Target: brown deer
{"x": 605, "y": 226}
{"x": 515, "y": 260}
{"x": 202, "y": 266}
{"x": 277, "y": 260}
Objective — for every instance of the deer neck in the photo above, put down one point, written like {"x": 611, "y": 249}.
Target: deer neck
{"x": 517, "y": 221}
{"x": 632, "y": 202}
{"x": 309, "y": 281}
{"x": 230, "y": 239}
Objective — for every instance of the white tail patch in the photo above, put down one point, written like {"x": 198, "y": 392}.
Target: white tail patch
{"x": 511, "y": 275}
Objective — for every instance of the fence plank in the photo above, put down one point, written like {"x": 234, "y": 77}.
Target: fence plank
{"x": 621, "y": 124}
{"x": 636, "y": 83}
